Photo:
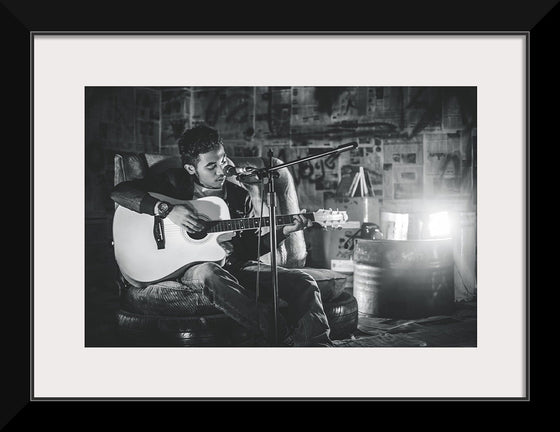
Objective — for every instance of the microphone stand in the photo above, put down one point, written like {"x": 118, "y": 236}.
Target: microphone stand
{"x": 271, "y": 173}
{"x": 272, "y": 236}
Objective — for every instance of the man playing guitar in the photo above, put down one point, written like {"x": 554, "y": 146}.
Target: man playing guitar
{"x": 231, "y": 283}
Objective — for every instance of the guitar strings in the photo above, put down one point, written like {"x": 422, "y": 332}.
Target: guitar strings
{"x": 172, "y": 228}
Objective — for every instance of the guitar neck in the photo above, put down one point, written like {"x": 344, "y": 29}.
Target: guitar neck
{"x": 252, "y": 223}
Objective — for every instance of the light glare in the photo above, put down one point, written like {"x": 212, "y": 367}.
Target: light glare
{"x": 439, "y": 225}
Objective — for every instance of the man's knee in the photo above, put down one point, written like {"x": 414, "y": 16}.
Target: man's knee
{"x": 307, "y": 288}
{"x": 306, "y": 281}
{"x": 205, "y": 273}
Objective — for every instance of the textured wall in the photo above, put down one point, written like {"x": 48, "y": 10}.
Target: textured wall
{"x": 414, "y": 143}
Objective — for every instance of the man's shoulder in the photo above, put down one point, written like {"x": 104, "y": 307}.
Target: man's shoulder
{"x": 235, "y": 192}
{"x": 234, "y": 188}
{"x": 168, "y": 173}
{"x": 176, "y": 174}
{"x": 173, "y": 181}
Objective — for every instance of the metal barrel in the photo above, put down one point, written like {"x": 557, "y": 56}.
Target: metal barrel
{"x": 465, "y": 257}
{"x": 403, "y": 278}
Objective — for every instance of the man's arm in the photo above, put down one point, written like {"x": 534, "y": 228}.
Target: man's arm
{"x": 246, "y": 242}
{"x": 134, "y": 196}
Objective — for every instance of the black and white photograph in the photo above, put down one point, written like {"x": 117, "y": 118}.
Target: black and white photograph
{"x": 178, "y": 229}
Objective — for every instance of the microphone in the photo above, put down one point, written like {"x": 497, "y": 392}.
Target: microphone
{"x": 348, "y": 146}
{"x": 232, "y": 171}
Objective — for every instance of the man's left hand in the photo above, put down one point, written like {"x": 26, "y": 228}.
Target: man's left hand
{"x": 300, "y": 222}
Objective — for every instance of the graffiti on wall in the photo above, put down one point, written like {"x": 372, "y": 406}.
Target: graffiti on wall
{"x": 228, "y": 109}
{"x": 413, "y": 141}
{"x": 448, "y": 165}
{"x": 403, "y": 169}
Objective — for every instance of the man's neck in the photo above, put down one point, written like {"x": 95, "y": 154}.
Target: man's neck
{"x": 200, "y": 190}
{"x": 205, "y": 187}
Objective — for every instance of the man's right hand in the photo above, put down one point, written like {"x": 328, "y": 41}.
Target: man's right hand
{"x": 186, "y": 217}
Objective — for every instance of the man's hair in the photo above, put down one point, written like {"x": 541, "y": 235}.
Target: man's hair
{"x": 199, "y": 139}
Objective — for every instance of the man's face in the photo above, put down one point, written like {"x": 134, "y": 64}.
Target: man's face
{"x": 210, "y": 168}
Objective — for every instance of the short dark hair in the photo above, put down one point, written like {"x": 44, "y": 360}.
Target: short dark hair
{"x": 199, "y": 139}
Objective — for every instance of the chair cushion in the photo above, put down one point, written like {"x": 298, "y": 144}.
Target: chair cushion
{"x": 168, "y": 298}
{"x": 331, "y": 283}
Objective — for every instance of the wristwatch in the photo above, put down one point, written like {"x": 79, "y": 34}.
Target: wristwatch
{"x": 163, "y": 209}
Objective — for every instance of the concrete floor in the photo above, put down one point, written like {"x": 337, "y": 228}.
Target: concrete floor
{"x": 458, "y": 329}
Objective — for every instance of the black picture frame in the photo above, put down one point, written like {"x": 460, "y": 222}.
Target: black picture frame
{"x": 20, "y": 23}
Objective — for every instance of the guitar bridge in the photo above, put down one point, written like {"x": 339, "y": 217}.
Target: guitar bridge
{"x": 159, "y": 233}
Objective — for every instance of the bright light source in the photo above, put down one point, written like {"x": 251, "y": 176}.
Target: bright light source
{"x": 439, "y": 225}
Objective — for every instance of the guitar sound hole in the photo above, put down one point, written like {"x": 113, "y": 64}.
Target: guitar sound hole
{"x": 197, "y": 236}
{"x": 202, "y": 234}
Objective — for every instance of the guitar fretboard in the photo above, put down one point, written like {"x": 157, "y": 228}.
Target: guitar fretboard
{"x": 251, "y": 223}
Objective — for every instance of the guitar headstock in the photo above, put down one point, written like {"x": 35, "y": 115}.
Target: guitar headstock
{"x": 330, "y": 219}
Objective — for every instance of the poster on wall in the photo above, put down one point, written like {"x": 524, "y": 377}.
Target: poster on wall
{"x": 304, "y": 108}
{"x": 447, "y": 167}
{"x": 403, "y": 169}
{"x": 228, "y": 109}
{"x": 312, "y": 178}
{"x": 241, "y": 148}
{"x": 175, "y": 112}
{"x": 272, "y": 113}
{"x": 407, "y": 182}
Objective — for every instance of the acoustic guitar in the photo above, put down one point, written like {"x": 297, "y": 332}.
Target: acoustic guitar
{"x": 149, "y": 249}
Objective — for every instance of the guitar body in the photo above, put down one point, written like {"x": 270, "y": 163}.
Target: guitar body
{"x": 136, "y": 251}
{"x": 142, "y": 262}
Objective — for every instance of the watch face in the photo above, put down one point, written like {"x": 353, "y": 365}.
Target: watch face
{"x": 163, "y": 208}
